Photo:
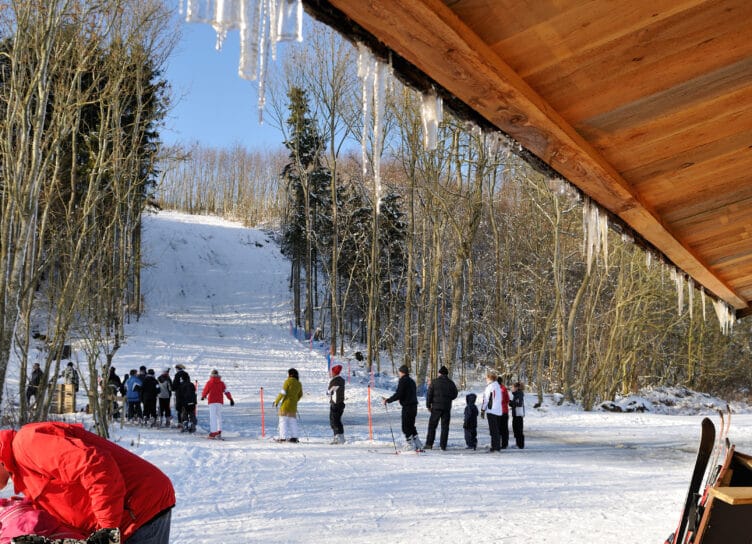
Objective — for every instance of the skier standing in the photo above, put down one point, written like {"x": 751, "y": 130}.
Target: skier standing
{"x": 32, "y": 390}
{"x": 214, "y": 392}
{"x": 439, "y": 397}
{"x": 133, "y": 388}
{"x": 518, "y": 412}
{"x": 471, "y": 421}
{"x": 181, "y": 377}
{"x": 149, "y": 397}
{"x": 492, "y": 405}
{"x": 407, "y": 396}
{"x": 336, "y": 393}
{"x": 287, "y": 400}
{"x": 165, "y": 392}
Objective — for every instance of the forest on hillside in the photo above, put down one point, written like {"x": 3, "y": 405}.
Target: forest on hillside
{"x": 459, "y": 253}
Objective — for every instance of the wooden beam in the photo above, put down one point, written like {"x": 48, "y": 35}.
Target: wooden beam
{"x": 427, "y": 34}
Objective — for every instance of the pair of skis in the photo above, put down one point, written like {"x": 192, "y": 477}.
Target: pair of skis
{"x": 710, "y": 447}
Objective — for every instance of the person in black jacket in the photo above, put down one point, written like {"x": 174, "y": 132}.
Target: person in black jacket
{"x": 439, "y": 397}
{"x": 518, "y": 412}
{"x": 407, "y": 396}
{"x": 149, "y": 397}
{"x": 32, "y": 389}
{"x": 471, "y": 422}
{"x": 336, "y": 393}
{"x": 181, "y": 377}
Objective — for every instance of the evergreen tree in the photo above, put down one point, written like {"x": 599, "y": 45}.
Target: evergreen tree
{"x": 307, "y": 182}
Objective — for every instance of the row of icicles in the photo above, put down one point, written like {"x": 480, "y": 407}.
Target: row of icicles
{"x": 264, "y": 23}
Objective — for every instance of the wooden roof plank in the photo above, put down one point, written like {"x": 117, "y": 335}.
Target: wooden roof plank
{"x": 429, "y": 35}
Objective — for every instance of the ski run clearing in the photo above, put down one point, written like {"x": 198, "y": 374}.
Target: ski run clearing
{"x": 217, "y": 297}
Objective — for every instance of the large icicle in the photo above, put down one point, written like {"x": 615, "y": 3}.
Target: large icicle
{"x": 199, "y": 11}
{"x": 250, "y": 23}
{"x": 691, "y": 295}
{"x": 678, "y": 278}
{"x": 365, "y": 73}
{"x": 726, "y": 316}
{"x": 226, "y": 17}
{"x": 702, "y": 300}
{"x": 374, "y": 76}
{"x": 432, "y": 113}
{"x": 594, "y": 232}
{"x": 290, "y": 21}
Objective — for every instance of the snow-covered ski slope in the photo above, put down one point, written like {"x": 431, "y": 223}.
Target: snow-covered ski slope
{"x": 217, "y": 297}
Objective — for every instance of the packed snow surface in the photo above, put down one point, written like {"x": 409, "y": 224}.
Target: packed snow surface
{"x": 217, "y": 296}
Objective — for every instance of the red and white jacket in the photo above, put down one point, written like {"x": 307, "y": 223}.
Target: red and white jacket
{"x": 215, "y": 391}
{"x": 82, "y": 479}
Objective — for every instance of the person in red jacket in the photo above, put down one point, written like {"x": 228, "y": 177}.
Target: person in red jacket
{"x": 214, "y": 392}
{"x": 87, "y": 482}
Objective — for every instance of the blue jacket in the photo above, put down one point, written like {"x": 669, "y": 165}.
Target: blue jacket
{"x": 133, "y": 388}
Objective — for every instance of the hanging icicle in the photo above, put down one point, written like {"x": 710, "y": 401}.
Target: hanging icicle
{"x": 432, "y": 113}
{"x": 678, "y": 278}
{"x": 199, "y": 11}
{"x": 702, "y": 301}
{"x": 290, "y": 21}
{"x": 691, "y": 295}
{"x": 726, "y": 316}
{"x": 226, "y": 17}
{"x": 262, "y": 24}
{"x": 648, "y": 260}
{"x": 595, "y": 232}
{"x": 374, "y": 76}
{"x": 365, "y": 73}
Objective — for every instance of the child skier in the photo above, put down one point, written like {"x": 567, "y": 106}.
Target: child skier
{"x": 471, "y": 421}
{"x": 336, "y": 394}
{"x": 214, "y": 392}
{"x": 518, "y": 412}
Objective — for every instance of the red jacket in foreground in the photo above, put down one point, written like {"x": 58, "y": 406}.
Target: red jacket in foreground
{"x": 82, "y": 479}
{"x": 214, "y": 390}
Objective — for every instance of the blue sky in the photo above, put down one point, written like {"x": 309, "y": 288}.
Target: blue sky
{"x": 213, "y": 105}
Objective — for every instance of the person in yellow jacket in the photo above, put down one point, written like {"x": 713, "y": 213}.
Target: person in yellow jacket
{"x": 287, "y": 400}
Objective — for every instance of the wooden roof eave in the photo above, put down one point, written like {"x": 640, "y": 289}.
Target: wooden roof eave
{"x": 428, "y": 35}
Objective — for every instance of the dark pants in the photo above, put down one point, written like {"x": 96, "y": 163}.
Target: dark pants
{"x": 150, "y": 408}
{"x": 519, "y": 438}
{"x": 408, "y": 420}
{"x": 179, "y": 407}
{"x": 437, "y": 414}
{"x": 156, "y": 531}
{"x": 335, "y": 418}
{"x": 471, "y": 437}
{"x": 164, "y": 407}
{"x": 504, "y": 430}
{"x": 493, "y": 428}
{"x": 134, "y": 409}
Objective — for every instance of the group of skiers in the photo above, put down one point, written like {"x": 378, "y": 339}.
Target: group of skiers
{"x": 148, "y": 398}
{"x": 495, "y": 406}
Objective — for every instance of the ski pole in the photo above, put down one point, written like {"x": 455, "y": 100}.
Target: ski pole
{"x": 389, "y": 419}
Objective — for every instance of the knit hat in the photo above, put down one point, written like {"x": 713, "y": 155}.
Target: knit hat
{"x": 215, "y": 372}
{"x": 443, "y": 370}
{"x": 404, "y": 369}
{"x": 336, "y": 369}
{"x": 180, "y": 366}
